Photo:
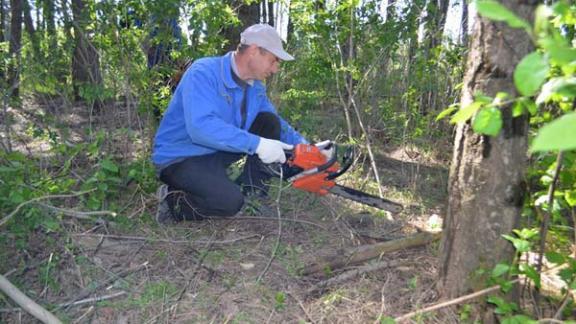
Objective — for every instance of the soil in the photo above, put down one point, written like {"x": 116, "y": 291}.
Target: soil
{"x": 238, "y": 270}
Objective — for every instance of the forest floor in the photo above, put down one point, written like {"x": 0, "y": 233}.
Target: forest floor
{"x": 237, "y": 270}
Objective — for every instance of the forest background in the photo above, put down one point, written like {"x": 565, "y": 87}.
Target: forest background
{"x": 476, "y": 129}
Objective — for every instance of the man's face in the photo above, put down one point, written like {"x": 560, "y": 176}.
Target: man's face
{"x": 263, "y": 64}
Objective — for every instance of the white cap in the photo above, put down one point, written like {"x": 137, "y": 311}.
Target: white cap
{"x": 266, "y": 37}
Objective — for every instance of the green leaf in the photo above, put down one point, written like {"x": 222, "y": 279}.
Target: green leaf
{"x": 560, "y": 134}
{"x": 488, "y": 121}
{"x": 447, "y": 112}
{"x": 519, "y": 244}
{"x": 496, "y": 11}
{"x": 570, "y": 196}
{"x": 517, "y": 109}
{"x": 531, "y": 273}
{"x": 500, "y": 269}
{"x": 465, "y": 113}
{"x": 565, "y": 87}
{"x": 518, "y": 319}
{"x": 559, "y": 52}
{"x": 387, "y": 320}
{"x": 555, "y": 257}
{"x": 531, "y": 73}
{"x": 109, "y": 166}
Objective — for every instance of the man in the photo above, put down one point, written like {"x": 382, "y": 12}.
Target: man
{"x": 219, "y": 113}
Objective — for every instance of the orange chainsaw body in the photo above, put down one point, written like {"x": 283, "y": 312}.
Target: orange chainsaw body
{"x": 308, "y": 157}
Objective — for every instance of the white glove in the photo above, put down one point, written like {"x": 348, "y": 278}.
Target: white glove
{"x": 272, "y": 151}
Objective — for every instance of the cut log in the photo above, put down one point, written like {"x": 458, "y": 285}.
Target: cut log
{"x": 366, "y": 252}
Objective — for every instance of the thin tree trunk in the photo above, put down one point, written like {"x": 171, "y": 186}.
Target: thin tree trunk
{"x": 49, "y": 9}
{"x": 2, "y": 26}
{"x": 85, "y": 61}
{"x": 248, "y": 15}
{"x": 271, "y": 13}
{"x": 486, "y": 185}
{"x": 15, "y": 47}
{"x": 29, "y": 25}
{"x": 464, "y": 24}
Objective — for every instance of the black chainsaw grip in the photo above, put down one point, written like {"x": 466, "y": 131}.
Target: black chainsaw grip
{"x": 346, "y": 164}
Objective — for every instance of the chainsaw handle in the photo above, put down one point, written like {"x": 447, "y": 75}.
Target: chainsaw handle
{"x": 346, "y": 164}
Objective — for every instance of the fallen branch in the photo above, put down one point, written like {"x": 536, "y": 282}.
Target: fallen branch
{"x": 93, "y": 299}
{"x": 77, "y": 214}
{"x": 343, "y": 277}
{"x": 147, "y": 239}
{"x": 87, "y": 291}
{"x": 452, "y": 302}
{"x": 7, "y": 218}
{"x": 26, "y": 303}
{"x": 367, "y": 252}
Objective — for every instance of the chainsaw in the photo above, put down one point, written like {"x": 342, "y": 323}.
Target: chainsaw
{"x": 314, "y": 168}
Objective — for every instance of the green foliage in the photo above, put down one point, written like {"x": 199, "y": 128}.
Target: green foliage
{"x": 531, "y": 73}
{"x": 557, "y": 135}
{"x": 496, "y": 11}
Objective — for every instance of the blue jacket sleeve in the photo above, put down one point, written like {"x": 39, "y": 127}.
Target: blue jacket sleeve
{"x": 205, "y": 120}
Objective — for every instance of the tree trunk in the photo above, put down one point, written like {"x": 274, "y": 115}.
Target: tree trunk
{"x": 29, "y": 25}
{"x": 270, "y": 13}
{"x": 85, "y": 61}
{"x": 486, "y": 186}
{"x": 50, "y": 26}
{"x": 15, "y": 46}
{"x": 2, "y": 18}
{"x": 464, "y": 24}
{"x": 248, "y": 15}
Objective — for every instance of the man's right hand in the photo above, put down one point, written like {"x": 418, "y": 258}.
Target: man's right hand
{"x": 272, "y": 151}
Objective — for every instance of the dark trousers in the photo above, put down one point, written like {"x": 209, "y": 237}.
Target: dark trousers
{"x": 199, "y": 186}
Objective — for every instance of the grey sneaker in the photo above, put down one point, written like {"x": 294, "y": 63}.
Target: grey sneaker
{"x": 163, "y": 214}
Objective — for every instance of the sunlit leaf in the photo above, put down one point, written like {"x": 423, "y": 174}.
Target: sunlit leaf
{"x": 559, "y": 52}
{"x": 531, "y": 73}
{"x": 496, "y": 11}
{"x": 560, "y": 134}
{"x": 565, "y": 87}
{"x": 531, "y": 273}
{"x": 488, "y": 121}
{"x": 446, "y": 112}
{"x": 570, "y": 196}
{"x": 465, "y": 113}
{"x": 500, "y": 269}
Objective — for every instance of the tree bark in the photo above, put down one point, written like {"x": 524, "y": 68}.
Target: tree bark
{"x": 248, "y": 15}
{"x": 2, "y": 18}
{"x": 464, "y": 24}
{"x": 270, "y": 13}
{"x": 486, "y": 185}
{"x": 15, "y": 46}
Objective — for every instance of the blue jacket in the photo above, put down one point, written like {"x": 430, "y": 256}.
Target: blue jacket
{"x": 204, "y": 114}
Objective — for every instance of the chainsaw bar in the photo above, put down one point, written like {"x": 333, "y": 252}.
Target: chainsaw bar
{"x": 366, "y": 199}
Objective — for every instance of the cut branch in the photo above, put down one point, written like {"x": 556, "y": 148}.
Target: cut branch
{"x": 26, "y": 303}
{"x": 367, "y": 252}
{"x": 325, "y": 284}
